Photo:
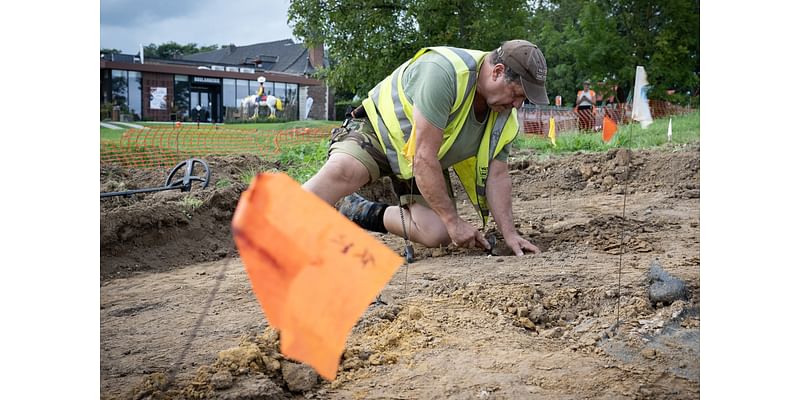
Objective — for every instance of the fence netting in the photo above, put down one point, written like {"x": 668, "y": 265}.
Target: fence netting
{"x": 536, "y": 120}
{"x": 163, "y": 147}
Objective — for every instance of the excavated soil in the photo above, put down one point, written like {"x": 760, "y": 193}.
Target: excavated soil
{"x": 179, "y": 319}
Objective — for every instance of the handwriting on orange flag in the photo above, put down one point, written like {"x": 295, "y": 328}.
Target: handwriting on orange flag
{"x": 313, "y": 271}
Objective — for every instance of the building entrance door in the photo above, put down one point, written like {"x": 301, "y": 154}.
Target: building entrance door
{"x": 208, "y": 98}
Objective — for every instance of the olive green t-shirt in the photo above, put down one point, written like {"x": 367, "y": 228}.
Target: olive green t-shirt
{"x": 430, "y": 85}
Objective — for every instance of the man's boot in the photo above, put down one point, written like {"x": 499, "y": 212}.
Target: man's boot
{"x": 366, "y": 214}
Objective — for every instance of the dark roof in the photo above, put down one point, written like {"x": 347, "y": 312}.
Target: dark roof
{"x": 278, "y": 56}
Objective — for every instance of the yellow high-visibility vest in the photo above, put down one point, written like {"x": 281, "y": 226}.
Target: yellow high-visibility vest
{"x": 391, "y": 115}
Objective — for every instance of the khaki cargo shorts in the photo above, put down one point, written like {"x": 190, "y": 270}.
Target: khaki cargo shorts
{"x": 358, "y": 139}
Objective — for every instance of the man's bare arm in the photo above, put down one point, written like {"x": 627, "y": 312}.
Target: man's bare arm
{"x": 498, "y": 194}
{"x": 431, "y": 183}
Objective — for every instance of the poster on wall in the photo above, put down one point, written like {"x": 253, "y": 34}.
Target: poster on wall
{"x": 158, "y": 98}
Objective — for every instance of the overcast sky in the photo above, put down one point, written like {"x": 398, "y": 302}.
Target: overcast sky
{"x": 124, "y": 24}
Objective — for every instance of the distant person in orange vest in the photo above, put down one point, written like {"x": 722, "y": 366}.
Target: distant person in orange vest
{"x": 585, "y": 107}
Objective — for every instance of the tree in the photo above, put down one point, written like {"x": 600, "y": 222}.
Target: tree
{"x": 172, "y": 50}
{"x": 366, "y": 40}
{"x": 599, "y": 40}
{"x": 604, "y": 40}
{"x": 111, "y": 51}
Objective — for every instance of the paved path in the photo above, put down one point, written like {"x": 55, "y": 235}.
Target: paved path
{"x": 116, "y": 125}
{"x": 109, "y": 126}
{"x": 130, "y": 125}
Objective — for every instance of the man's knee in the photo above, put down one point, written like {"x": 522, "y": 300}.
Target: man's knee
{"x": 347, "y": 169}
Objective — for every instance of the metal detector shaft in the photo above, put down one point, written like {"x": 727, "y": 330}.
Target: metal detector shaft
{"x": 136, "y": 191}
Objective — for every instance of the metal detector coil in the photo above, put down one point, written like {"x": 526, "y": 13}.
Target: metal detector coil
{"x": 184, "y": 184}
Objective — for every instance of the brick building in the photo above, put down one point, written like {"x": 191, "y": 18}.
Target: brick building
{"x": 217, "y": 81}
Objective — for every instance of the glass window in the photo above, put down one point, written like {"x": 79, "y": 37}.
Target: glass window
{"x": 105, "y": 86}
{"x": 253, "y": 87}
{"x": 280, "y": 91}
{"x": 182, "y": 102}
{"x": 135, "y": 94}
{"x": 119, "y": 89}
{"x": 229, "y": 92}
{"x": 270, "y": 87}
{"x": 242, "y": 90}
{"x": 229, "y": 104}
{"x": 293, "y": 98}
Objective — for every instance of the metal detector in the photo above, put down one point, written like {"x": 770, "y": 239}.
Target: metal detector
{"x": 184, "y": 184}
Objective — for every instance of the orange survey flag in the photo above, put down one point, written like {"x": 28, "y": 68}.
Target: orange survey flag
{"x": 609, "y": 129}
{"x": 313, "y": 271}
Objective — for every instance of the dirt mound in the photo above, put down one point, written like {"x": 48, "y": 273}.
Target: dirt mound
{"x": 161, "y": 230}
{"x": 455, "y": 323}
{"x": 676, "y": 171}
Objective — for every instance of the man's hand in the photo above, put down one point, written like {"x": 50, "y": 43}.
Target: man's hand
{"x": 517, "y": 244}
{"x": 465, "y": 235}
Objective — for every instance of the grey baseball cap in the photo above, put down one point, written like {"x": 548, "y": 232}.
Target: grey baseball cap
{"x": 527, "y": 60}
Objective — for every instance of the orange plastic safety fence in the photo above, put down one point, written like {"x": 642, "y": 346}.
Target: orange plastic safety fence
{"x": 164, "y": 147}
{"x": 537, "y": 120}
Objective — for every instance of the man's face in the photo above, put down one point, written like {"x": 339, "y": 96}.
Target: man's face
{"x": 502, "y": 95}
{"x": 585, "y": 87}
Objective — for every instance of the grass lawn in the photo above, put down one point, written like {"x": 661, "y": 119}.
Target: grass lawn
{"x": 116, "y": 134}
{"x": 685, "y": 129}
{"x": 303, "y": 160}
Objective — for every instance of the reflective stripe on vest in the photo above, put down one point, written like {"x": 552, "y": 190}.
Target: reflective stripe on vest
{"x": 501, "y": 129}
{"x": 391, "y": 113}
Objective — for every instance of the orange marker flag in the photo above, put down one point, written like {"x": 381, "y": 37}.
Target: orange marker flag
{"x": 313, "y": 271}
{"x": 609, "y": 129}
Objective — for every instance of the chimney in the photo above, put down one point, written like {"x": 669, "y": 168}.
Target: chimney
{"x": 316, "y": 56}
{"x": 231, "y": 48}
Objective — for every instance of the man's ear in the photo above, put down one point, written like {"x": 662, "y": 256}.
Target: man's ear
{"x": 498, "y": 71}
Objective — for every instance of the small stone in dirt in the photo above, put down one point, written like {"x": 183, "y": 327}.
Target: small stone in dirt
{"x": 221, "y": 380}
{"x": 536, "y": 313}
{"x": 553, "y": 333}
{"x": 608, "y": 182}
{"x": 253, "y": 387}
{"x": 588, "y": 339}
{"x": 242, "y": 355}
{"x": 649, "y": 353}
{"x": 376, "y": 359}
{"x": 414, "y": 312}
{"x": 527, "y": 323}
{"x": 664, "y": 288}
{"x": 623, "y": 157}
{"x": 272, "y": 364}
{"x": 299, "y": 377}
{"x": 352, "y": 363}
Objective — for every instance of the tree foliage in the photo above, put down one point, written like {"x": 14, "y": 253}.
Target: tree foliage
{"x": 599, "y": 40}
{"x": 172, "y": 50}
{"x": 367, "y": 39}
{"x": 604, "y": 41}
